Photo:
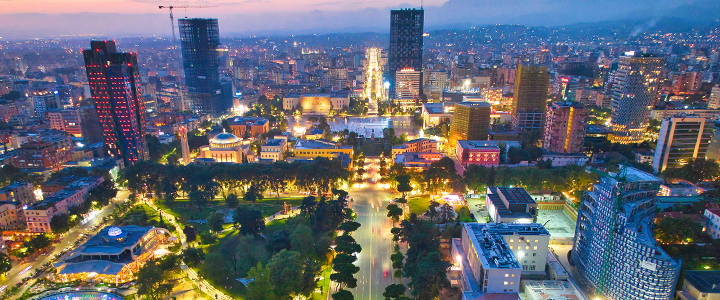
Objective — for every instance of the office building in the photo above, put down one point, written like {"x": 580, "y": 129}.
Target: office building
{"x": 681, "y": 139}
{"x": 273, "y": 149}
{"x": 477, "y": 153}
{"x": 714, "y": 101}
{"x": 531, "y": 93}
{"x": 199, "y": 40}
{"x": 564, "y": 127}
{"x": 407, "y": 85}
{"x": 634, "y": 94}
{"x": 116, "y": 91}
{"x": 44, "y": 101}
{"x": 614, "y": 249}
{"x": 470, "y": 121}
{"x": 510, "y": 205}
{"x": 406, "y": 44}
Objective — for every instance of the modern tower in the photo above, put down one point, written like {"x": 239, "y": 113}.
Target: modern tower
{"x": 114, "y": 80}
{"x": 531, "y": 93}
{"x": 199, "y": 40}
{"x": 406, "y": 44}
{"x": 634, "y": 94}
{"x": 614, "y": 248}
{"x": 470, "y": 121}
{"x": 565, "y": 127}
{"x": 681, "y": 138}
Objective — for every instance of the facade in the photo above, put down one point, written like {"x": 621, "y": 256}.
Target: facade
{"x": 273, "y": 149}
{"x": 713, "y": 228}
{"x": 510, "y": 205}
{"x": 42, "y": 155}
{"x": 226, "y": 148}
{"x": 565, "y": 127}
{"x": 679, "y": 189}
{"x": 44, "y": 101}
{"x": 681, "y": 139}
{"x": 714, "y": 101}
{"x": 321, "y": 148}
{"x": 416, "y": 145}
{"x": 21, "y": 192}
{"x": 614, "y": 248}
{"x": 531, "y": 94}
{"x": 563, "y": 160}
{"x": 477, "y": 153}
{"x": 700, "y": 285}
{"x": 406, "y": 44}
{"x": 317, "y": 104}
{"x": 39, "y": 214}
{"x": 470, "y": 121}
{"x": 407, "y": 85}
{"x": 418, "y": 160}
{"x": 199, "y": 40}
{"x": 436, "y": 113}
{"x": 67, "y": 120}
{"x": 660, "y": 114}
{"x": 115, "y": 87}
{"x": 253, "y": 126}
{"x": 11, "y": 216}
{"x": 114, "y": 255}
{"x": 634, "y": 94}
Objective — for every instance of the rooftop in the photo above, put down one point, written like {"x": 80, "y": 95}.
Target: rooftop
{"x": 513, "y": 195}
{"x": 704, "y": 281}
{"x": 474, "y": 104}
{"x": 468, "y": 144}
{"x": 493, "y": 250}
{"x": 274, "y": 142}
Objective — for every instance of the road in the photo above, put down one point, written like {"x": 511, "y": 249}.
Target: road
{"x": 26, "y": 268}
{"x": 373, "y": 236}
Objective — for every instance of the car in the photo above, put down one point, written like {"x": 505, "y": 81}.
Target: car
{"x": 385, "y": 273}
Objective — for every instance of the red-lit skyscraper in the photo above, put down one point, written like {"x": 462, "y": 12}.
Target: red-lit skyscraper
{"x": 114, "y": 80}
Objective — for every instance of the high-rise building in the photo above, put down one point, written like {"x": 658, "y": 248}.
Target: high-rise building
{"x": 67, "y": 120}
{"x": 531, "y": 93}
{"x": 114, "y": 79}
{"x": 714, "y": 101}
{"x": 470, "y": 121}
{"x": 681, "y": 138}
{"x": 634, "y": 94}
{"x": 565, "y": 127}
{"x": 184, "y": 145}
{"x": 406, "y": 44}
{"x": 407, "y": 85}
{"x": 199, "y": 40}
{"x": 614, "y": 248}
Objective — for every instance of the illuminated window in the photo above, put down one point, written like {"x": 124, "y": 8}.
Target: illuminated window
{"x": 506, "y": 283}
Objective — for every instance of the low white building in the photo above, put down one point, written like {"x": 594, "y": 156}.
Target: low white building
{"x": 563, "y": 160}
{"x": 273, "y": 149}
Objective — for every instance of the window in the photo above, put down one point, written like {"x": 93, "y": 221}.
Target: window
{"x": 536, "y": 241}
{"x": 506, "y": 283}
{"x": 507, "y": 275}
{"x": 535, "y": 248}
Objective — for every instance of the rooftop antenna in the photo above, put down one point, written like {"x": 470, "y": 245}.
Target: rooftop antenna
{"x": 421, "y": 4}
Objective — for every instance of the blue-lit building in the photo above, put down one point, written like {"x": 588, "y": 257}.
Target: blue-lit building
{"x": 614, "y": 246}
{"x": 199, "y": 40}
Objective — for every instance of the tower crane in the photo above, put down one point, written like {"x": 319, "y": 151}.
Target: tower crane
{"x": 172, "y": 18}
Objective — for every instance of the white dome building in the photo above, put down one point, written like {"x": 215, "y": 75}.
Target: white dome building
{"x": 226, "y": 148}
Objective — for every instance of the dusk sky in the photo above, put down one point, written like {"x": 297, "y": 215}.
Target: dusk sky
{"x": 42, "y": 18}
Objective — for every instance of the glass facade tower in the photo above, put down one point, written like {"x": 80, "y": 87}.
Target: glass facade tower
{"x": 406, "y": 44}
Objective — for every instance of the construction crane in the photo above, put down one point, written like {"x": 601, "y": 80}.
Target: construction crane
{"x": 172, "y": 18}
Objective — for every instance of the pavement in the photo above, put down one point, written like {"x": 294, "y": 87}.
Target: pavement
{"x": 14, "y": 276}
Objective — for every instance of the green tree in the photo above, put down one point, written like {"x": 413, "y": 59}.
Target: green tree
{"x": 261, "y": 288}
{"x": 670, "y": 230}
{"x": 151, "y": 282}
{"x": 286, "y": 270}
{"x": 394, "y": 212}
{"x": 403, "y": 184}
{"x": 250, "y": 220}
{"x": 343, "y": 295}
{"x": 231, "y": 201}
{"x": 349, "y": 226}
{"x": 302, "y": 241}
{"x": 216, "y": 220}
{"x": 394, "y": 291}
{"x": 5, "y": 263}
{"x": 253, "y": 193}
{"x": 193, "y": 256}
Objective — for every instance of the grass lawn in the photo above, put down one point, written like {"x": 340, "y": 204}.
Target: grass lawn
{"x": 419, "y": 205}
{"x": 464, "y": 215}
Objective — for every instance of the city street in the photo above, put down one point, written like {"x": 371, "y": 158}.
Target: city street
{"x": 374, "y": 237}
{"x": 23, "y": 270}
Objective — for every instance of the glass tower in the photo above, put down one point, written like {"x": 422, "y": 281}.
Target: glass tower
{"x": 614, "y": 248}
{"x": 531, "y": 93}
{"x": 114, "y": 80}
{"x": 406, "y": 43}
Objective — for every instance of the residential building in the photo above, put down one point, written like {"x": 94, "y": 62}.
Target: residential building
{"x": 477, "y": 153}
{"x": 42, "y": 155}
{"x": 681, "y": 139}
{"x": 644, "y": 156}
{"x": 565, "y": 127}
{"x": 531, "y": 95}
{"x": 21, "y": 192}
{"x": 248, "y": 126}
{"x": 199, "y": 41}
{"x": 700, "y": 285}
{"x": 510, "y": 205}
{"x": 114, "y": 255}
{"x": 68, "y": 120}
{"x": 470, "y": 121}
{"x": 116, "y": 90}
{"x": 714, "y": 101}
{"x": 634, "y": 94}
{"x": 406, "y": 44}
{"x": 11, "y": 215}
{"x": 416, "y": 145}
{"x": 713, "y": 228}
{"x": 44, "y": 101}
{"x": 39, "y": 214}
{"x": 614, "y": 248}
{"x": 273, "y": 149}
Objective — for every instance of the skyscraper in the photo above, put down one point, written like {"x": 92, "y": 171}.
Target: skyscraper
{"x": 199, "y": 40}
{"x": 681, "y": 138}
{"x": 470, "y": 121}
{"x": 114, "y": 80}
{"x": 634, "y": 94}
{"x": 531, "y": 92}
{"x": 614, "y": 248}
{"x": 406, "y": 43}
{"x": 565, "y": 127}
